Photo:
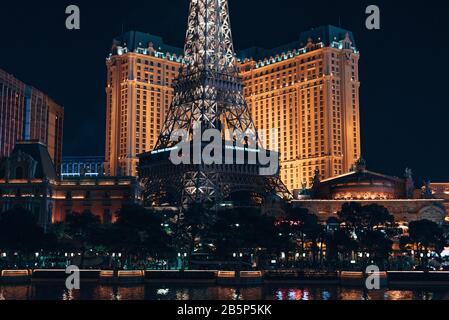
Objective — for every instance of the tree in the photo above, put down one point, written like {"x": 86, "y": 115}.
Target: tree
{"x": 303, "y": 227}
{"x": 194, "y": 227}
{"x": 426, "y": 235}
{"x": 81, "y": 231}
{"x": 244, "y": 230}
{"x": 369, "y": 226}
{"x": 365, "y": 218}
{"x": 20, "y": 233}
{"x": 377, "y": 245}
{"x": 376, "y": 216}
{"x": 139, "y": 234}
{"x": 339, "y": 243}
{"x": 350, "y": 214}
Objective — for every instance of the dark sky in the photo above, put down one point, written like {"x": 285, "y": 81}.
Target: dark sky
{"x": 404, "y": 67}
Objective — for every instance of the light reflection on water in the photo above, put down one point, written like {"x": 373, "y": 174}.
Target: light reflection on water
{"x": 148, "y": 292}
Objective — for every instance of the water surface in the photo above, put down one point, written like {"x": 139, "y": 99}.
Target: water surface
{"x": 161, "y": 292}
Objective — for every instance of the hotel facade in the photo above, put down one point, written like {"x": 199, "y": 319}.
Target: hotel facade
{"x": 28, "y": 179}
{"x": 397, "y": 194}
{"x": 306, "y": 91}
{"x": 28, "y": 114}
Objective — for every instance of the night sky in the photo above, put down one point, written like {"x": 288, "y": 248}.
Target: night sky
{"x": 404, "y": 67}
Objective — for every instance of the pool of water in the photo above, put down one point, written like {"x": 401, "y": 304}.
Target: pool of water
{"x": 161, "y": 292}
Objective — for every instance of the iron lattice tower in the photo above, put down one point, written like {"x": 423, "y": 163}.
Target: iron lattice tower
{"x": 208, "y": 91}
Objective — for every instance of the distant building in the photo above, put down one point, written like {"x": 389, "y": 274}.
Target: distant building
{"x": 307, "y": 90}
{"x": 398, "y": 195}
{"x": 440, "y": 191}
{"x": 28, "y": 179}
{"x": 141, "y": 70}
{"x": 73, "y": 167}
{"x": 28, "y": 114}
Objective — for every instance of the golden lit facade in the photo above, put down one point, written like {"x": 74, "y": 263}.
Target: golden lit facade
{"x": 139, "y": 91}
{"x": 398, "y": 195}
{"x": 441, "y": 191}
{"x": 28, "y": 114}
{"x": 308, "y": 91}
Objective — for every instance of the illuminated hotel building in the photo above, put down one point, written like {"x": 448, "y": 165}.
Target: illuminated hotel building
{"x": 307, "y": 90}
{"x": 28, "y": 114}
{"x": 139, "y": 91}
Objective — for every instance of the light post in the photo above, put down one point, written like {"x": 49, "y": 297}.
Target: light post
{"x": 2, "y": 256}
{"x": 182, "y": 258}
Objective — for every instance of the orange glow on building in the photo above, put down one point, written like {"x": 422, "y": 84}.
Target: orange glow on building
{"x": 139, "y": 92}
{"x": 309, "y": 92}
{"x": 28, "y": 114}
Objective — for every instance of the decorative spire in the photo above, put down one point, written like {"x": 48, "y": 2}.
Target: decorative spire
{"x": 409, "y": 183}
{"x": 427, "y": 192}
{"x": 209, "y": 45}
{"x": 360, "y": 165}
{"x": 347, "y": 40}
{"x": 150, "y": 47}
{"x": 304, "y": 191}
{"x": 408, "y": 173}
{"x": 309, "y": 43}
{"x": 209, "y": 89}
{"x": 316, "y": 178}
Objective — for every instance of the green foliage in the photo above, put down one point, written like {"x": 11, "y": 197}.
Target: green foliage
{"x": 242, "y": 229}
{"x": 80, "y": 231}
{"x": 425, "y": 232}
{"x": 138, "y": 232}
{"x": 360, "y": 218}
{"x": 19, "y": 232}
{"x": 338, "y": 243}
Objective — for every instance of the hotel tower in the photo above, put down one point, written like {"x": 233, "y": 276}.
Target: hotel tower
{"x": 28, "y": 114}
{"x": 307, "y": 90}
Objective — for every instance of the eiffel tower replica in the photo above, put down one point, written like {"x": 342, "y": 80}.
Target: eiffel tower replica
{"x": 208, "y": 92}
